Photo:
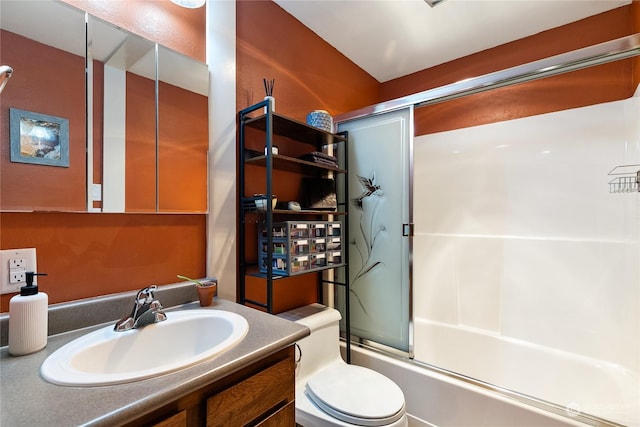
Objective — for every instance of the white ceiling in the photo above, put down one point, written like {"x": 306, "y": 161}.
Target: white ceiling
{"x": 393, "y": 38}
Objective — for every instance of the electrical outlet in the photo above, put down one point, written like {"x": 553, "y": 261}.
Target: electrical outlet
{"x": 17, "y": 263}
{"x": 14, "y": 264}
{"x": 17, "y": 276}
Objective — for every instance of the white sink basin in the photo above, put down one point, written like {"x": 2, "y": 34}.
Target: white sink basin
{"x": 107, "y": 357}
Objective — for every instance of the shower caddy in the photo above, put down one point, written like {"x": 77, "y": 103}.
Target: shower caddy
{"x": 257, "y": 149}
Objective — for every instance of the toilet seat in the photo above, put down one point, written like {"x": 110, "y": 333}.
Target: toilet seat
{"x": 356, "y": 395}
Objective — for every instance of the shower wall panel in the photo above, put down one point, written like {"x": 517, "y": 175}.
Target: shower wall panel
{"x": 517, "y": 235}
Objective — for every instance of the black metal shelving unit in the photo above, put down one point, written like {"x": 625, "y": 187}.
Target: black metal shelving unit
{"x": 271, "y": 124}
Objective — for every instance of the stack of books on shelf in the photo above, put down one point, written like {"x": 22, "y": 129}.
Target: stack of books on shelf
{"x": 320, "y": 158}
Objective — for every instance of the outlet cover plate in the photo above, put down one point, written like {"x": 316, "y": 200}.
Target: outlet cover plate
{"x": 6, "y": 255}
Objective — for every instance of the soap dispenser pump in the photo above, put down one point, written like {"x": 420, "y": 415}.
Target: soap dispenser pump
{"x": 28, "y": 318}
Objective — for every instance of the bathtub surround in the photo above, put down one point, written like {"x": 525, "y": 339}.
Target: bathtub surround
{"x": 575, "y": 384}
{"x": 523, "y": 255}
{"x": 438, "y": 399}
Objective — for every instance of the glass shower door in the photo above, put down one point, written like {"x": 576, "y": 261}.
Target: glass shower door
{"x": 379, "y": 213}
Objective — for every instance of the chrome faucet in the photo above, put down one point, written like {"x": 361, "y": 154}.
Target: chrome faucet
{"x": 146, "y": 310}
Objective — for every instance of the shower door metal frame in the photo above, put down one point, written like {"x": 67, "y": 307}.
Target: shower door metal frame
{"x": 602, "y": 53}
{"x": 349, "y": 335}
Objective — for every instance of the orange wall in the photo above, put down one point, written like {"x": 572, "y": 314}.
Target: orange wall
{"x": 140, "y": 164}
{"x": 595, "y": 85}
{"x": 590, "y": 86}
{"x": 87, "y": 254}
{"x": 309, "y": 73}
{"x": 183, "y": 145}
{"x": 95, "y": 254}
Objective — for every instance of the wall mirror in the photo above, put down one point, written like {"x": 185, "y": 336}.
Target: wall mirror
{"x": 122, "y": 95}
{"x": 183, "y": 132}
{"x": 152, "y": 103}
{"x": 144, "y": 145}
{"x": 44, "y": 42}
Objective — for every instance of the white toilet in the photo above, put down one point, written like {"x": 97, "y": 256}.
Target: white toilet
{"x": 329, "y": 392}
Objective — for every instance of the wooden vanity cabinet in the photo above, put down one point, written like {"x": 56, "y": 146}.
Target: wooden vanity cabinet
{"x": 260, "y": 394}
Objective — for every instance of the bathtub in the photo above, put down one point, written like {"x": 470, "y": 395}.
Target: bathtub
{"x": 578, "y": 387}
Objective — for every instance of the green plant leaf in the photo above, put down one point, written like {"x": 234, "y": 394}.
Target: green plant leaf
{"x": 190, "y": 280}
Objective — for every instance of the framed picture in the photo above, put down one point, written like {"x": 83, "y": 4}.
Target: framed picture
{"x": 39, "y": 138}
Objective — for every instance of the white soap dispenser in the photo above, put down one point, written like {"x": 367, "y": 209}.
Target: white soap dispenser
{"x": 28, "y": 319}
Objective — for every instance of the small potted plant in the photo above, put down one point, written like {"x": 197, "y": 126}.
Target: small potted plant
{"x": 206, "y": 289}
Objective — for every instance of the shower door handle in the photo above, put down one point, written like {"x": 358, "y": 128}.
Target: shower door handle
{"x": 407, "y": 230}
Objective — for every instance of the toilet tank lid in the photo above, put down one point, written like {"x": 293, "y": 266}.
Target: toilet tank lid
{"x": 313, "y": 316}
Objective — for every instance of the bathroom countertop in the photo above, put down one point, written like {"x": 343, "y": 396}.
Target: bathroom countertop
{"x": 28, "y": 400}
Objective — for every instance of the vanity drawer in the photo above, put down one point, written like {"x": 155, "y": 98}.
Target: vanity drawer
{"x": 284, "y": 417}
{"x": 178, "y": 420}
{"x": 255, "y": 399}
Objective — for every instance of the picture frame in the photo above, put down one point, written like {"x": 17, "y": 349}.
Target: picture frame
{"x": 39, "y": 139}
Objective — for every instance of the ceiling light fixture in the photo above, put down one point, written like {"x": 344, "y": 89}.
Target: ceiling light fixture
{"x": 191, "y": 4}
{"x": 432, "y": 3}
